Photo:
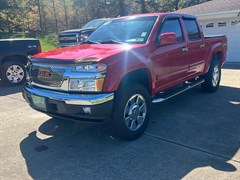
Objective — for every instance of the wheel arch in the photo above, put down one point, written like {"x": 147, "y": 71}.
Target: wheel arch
{"x": 215, "y": 54}
{"x": 141, "y": 76}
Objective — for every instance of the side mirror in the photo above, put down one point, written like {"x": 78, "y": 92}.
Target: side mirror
{"x": 168, "y": 38}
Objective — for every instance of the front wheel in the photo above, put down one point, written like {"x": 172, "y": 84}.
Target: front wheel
{"x": 13, "y": 73}
{"x": 213, "y": 77}
{"x": 131, "y": 111}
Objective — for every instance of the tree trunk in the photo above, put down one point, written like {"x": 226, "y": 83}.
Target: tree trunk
{"x": 39, "y": 14}
{"x": 65, "y": 13}
{"x": 55, "y": 16}
{"x": 176, "y": 4}
{"x": 44, "y": 20}
{"x": 8, "y": 24}
{"x": 143, "y": 6}
{"x": 121, "y": 7}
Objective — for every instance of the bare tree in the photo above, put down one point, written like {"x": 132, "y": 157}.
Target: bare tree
{"x": 121, "y": 7}
{"x": 55, "y": 16}
{"x": 65, "y": 13}
{"x": 39, "y": 14}
{"x": 52, "y": 16}
{"x": 143, "y": 6}
{"x": 176, "y": 4}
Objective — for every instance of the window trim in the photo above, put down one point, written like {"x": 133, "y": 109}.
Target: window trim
{"x": 161, "y": 26}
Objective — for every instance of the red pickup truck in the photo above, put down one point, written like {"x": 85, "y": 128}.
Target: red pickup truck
{"x": 123, "y": 67}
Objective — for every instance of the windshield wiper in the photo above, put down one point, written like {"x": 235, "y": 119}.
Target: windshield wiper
{"x": 90, "y": 42}
{"x": 111, "y": 41}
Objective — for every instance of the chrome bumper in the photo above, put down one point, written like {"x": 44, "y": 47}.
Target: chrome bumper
{"x": 71, "y": 99}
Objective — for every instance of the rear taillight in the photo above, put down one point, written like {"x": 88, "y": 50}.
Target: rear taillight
{"x": 39, "y": 49}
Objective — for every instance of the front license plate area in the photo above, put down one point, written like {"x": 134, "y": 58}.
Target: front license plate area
{"x": 39, "y": 102}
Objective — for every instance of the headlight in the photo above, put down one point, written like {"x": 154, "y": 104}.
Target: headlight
{"x": 90, "y": 68}
{"x": 90, "y": 77}
{"x": 92, "y": 85}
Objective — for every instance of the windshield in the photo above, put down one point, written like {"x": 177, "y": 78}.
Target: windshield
{"x": 127, "y": 30}
{"x": 94, "y": 23}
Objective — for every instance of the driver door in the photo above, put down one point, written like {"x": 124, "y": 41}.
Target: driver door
{"x": 171, "y": 61}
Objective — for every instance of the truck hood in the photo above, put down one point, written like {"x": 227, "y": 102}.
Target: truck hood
{"x": 84, "y": 52}
{"x": 75, "y": 30}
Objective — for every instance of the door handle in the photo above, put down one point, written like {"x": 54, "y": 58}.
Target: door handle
{"x": 202, "y": 45}
{"x": 185, "y": 49}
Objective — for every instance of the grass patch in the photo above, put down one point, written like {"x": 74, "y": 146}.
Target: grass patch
{"x": 48, "y": 42}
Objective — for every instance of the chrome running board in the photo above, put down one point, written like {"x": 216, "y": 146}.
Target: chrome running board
{"x": 187, "y": 86}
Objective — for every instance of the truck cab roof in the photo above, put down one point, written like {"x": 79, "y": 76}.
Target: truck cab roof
{"x": 157, "y": 14}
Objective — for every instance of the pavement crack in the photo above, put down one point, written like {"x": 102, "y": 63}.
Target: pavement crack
{"x": 189, "y": 147}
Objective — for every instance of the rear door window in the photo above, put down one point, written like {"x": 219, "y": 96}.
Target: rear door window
{"x": 192, "y": 29}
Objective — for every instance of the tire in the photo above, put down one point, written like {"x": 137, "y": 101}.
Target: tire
{"x": 131, "y": 111}
{"x": 13, "y": 72}
{"x": 213, "y": 77}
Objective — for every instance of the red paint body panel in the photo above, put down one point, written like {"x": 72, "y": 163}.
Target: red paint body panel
{"x": 166, "y": 65}
{"x": 85, "y": 51}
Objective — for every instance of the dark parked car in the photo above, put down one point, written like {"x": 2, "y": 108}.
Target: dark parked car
{"x": 75, "y": 36}
{"x": 14, "y": 57}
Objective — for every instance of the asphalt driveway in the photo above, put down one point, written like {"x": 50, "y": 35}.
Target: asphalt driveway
{"x": 192, "y": 136}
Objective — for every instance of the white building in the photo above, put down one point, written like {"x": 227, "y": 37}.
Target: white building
{"x": 220, "y": 17}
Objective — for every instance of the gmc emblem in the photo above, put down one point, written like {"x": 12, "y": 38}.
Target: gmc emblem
{"x": 44, "y": 73}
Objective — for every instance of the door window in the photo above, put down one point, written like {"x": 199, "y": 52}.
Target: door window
{"x": 192, "y": 29}
{"x": 172, "y": 25}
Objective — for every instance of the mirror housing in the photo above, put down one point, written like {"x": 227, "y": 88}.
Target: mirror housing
{"x": 168, "y": 38}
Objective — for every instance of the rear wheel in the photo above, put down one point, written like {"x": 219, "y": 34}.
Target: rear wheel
{"x": 213, "y": 77}
{"x": 131, "y": 111}
{"x": 13, "y": 72}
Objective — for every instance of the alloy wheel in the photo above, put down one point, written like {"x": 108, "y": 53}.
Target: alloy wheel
{"x": 15, "y": 73}
{"x": 135, "y": 112}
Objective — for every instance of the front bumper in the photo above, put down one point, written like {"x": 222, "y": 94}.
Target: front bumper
{"x": 75, "y": 106}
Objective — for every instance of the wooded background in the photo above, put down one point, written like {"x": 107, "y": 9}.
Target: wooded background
{"x": 51, "y": 16}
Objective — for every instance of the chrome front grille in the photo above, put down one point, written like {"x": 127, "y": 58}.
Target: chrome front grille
{"x": 67, "y": 38}
{"x": 47, "y": 76}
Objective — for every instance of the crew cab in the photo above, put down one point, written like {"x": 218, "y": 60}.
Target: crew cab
{"x": 14, "y": 57}
{"x": 73, "y": 37}
{"x": 123, "y": 67}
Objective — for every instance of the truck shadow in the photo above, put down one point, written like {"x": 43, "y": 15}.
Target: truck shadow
{"x": 7, "y": 89}
{"x": 231, "y": 66}
{"x": 190, "y": 131}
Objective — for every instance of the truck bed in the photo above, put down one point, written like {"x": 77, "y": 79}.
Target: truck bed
{"x": 216, "y": 39}
{"x": 213, "y": 36}
{"x": 21, "y": 46}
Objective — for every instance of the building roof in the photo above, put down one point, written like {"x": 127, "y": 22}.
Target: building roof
{"x": 213, "y": 6}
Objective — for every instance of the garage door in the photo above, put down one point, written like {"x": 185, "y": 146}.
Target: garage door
{"x": 231, "y": 28}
